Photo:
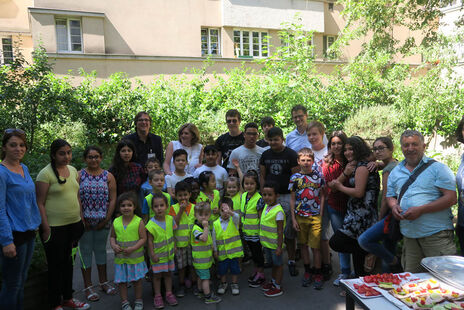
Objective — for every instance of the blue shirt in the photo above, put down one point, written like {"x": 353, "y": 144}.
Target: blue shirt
{"x": 296, "y": 140}
{"x": 425, "y": 189}
{"x": 18, "y": 205}
{"x": 460, "y": 184}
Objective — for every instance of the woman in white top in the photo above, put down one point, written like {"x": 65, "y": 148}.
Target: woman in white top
{"x": 189, "y": 136}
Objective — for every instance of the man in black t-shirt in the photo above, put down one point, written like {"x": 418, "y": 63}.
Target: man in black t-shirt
{"x": 229, "y": 141}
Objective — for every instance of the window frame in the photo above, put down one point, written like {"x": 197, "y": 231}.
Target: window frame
{"x": 2, "y": 52}
{"x": 208, "y": 42}
{"x": 68, "y": 20}
{"x": 326, "y": 45}
{"x": 251, "y": 50}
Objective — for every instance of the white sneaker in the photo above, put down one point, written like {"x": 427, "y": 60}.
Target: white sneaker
{"x": 222, "y": 288}
{"x": 235, "y": 289}
{"x": 341, "y": 276}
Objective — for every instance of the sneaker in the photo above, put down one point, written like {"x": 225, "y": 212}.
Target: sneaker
{"x": 327, "y": 271}
{"x": 213, "y": 299}
{"x": 318, "y": 281}
{"x": 138, "y": 305}
{"x": 158, "y": 302}
{"x": 222, "y": 288}
{"x": 307, "y": 279}
{"x": 266, "y": 287}
{"x": 180, "y": 291}
{"x": 171, "y": 299}
{"x": 273, "y": 292}
{"x": 195, "y": 290}
{"x": 256, "y": 283}
{"x": 252, "y": 277}
{"x": 292, "y": 269}
{"x": 188, "y": 284}
{"x": 234, "y": 288}
{"x": 341, "y": 276}
{"x": 124, "y": 306}
{"x": 75, "y": 304}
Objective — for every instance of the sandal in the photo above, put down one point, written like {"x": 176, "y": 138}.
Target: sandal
{"x": 110, "y": 290}
{"x": 91, "y": 295}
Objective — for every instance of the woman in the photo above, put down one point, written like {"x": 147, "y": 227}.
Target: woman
{"x": 371, "y": 238}
{"x": 19, "y": 219}
{"x": 361, "y": 211}
{"x": 97, "y": 192}
{"x": 460, "y": 183}
{"x": 333, "y": 166}
{"x": 57, "y": 190}
{"x": 189, "y": 136}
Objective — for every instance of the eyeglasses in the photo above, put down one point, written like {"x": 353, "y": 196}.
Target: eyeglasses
{"x": 143, "y": 120}
{"x": 11, "y": 130}
{"x": 251, "y": 133}
{"x": 232, "y": 120}
{"x": 90, "y": 157}
{"x": 379, "y": 149}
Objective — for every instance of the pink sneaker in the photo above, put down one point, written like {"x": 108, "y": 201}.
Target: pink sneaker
{"x": 171, "y": 299}
{"x": 158, "y": 302}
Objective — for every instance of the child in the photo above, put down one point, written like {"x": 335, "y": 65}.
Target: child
{"x": 307, "y": 205}
{"x": 128, "y": 236}
{"x": 233, "y": 192}
{"x": 194, "y": 188}
{"x": 271, "y": 235}
{"x": 161, "y": 229}
{"x": 151, "y": 164}
{"x": 266, "y": 124}
{"x": 184, "y": 216}
{"x": 227, "y": 245}
{"x": 209, "y": 193}
{"x": 179, "y": 158}
{"x": 211, "y": 155}
{"x": 156, "y": 181}
{"x": 202, "y": 250}
{"x": 251, "y": 206}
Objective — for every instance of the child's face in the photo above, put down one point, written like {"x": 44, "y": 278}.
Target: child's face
{"x": 180, "y": 162}
{"x": 127, "y": 207}
{"x": 269, "y": 196}
{"x": 225, "y": 209}
{"x": 232, "y": 188}
{"x": 157, "y": 182}
{"x": 126, "y": 154}
{"x": 315, "y": 137}
{"x": 183, "y": 197}
{"x": 276, "y": 143}
{"x": 266, "y": 128}
{"x": 159, "y": 207}
{"x": 203, "y": 216}
{"x": 211, "y": 158}
{"x": 249, "y": 185}
{"x": 195, "y": 191}
{"x": 212, "y": 182}
{"x": 306, "y": 163}
{"x": 152, "y": 166}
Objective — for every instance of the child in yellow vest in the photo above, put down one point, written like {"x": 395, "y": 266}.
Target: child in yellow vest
{"x": 161, "y": 247}
{"x": 156, "y": 181}
{"x": 128, "y": 235}
{"x": 232, "y": 191}
{"x": 209, "y": 193}
{"x": 227, "y": 245}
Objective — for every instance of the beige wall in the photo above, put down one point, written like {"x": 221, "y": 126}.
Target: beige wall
{"x": 14, "y": 15}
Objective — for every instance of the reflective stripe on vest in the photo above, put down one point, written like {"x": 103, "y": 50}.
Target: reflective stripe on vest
{"x": 228, "y": 242}
{"x": 268, "y": 227}
{"x": 202, "y": 252}
{"x": 250, "y": 217}
{"x": 126, "y": 238}
{"x": 163, "y": 240}
{"x": 182, "y": 233}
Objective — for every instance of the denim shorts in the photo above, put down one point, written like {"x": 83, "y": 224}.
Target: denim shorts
{"x": 203, "y": 274}
{"x": 272, "y": 257}
{"x": 228, "y": 264}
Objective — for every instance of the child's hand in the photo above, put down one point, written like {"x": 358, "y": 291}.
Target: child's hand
{"x": 235, "y": 163}
{"x": 278, "y": 251}
{"x": 154, "y": 258}
{"x": 183, "y": 204}
{"x": 205, "y": 224}
{"x": 117, "y": 249}
{"x": 128, "y": 250}
{"x": 295, "y": 224}
{"x": 216, "y": 255}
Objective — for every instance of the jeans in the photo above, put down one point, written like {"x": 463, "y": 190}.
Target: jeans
{"x": 375, "y": 241}
{"x": 336, "y": 219}
{"x": 14, "y": 276}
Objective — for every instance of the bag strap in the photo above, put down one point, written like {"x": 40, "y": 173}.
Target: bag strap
{"x": 413, "y": 178}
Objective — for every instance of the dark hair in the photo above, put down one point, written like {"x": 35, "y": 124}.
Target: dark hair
{"x": 136, "y": 118}
{"x": 385, "y": 140}
{"x": 251, "y": 174}
{"x": 159, "y": 196}
{"x": 204, "y": 177}
{"x": 330, "y": 156}
{"x": 267, "y": 121}
{"x": 182, "y": 186}
{"x": 459, "y": 136}
{"x": 273, "y": 185}
{"x": 191, "y": 180}
{"x": 320, "y": 127}
{"x": 227, "y": 201}
{"x": 299, "y": 107}
{"x": 275, "y": 132}
{"x": 118, "y": 168}
{"x": 54, "y": 147}
{"x": 251, "y": 125}
{"x": 210, "y": 148}
{"x": 193, "y": 130}
{"x": 131, "y": 196}
{"x": 233, "y": 113}
{"x": 151, "y": 174}
{"x": 152, "y": 160}
{"x": 12, "y": 133}
{"x": 361, "y": 150}
{"x": 92, "y": 148}
{"x": 306, "y": 151}
{"x": 178, "y": 153}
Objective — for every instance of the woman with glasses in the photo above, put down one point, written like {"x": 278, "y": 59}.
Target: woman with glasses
{"x": 19, "y": 219}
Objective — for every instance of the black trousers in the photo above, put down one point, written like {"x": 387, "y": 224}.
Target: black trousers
{"x": 344, "y": 244}
{"x": 256, "y": 250}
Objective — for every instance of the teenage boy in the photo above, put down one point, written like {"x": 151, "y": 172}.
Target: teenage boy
{"x": 229, "y": 141}
{"x": 307, "y": 205}
{"x": 211, "y": 155}
{"x": 156, "y": 181}
{"x": 266, "y": 124}
{"x": 180, "y": 162}
{"x": 277, "y": 165}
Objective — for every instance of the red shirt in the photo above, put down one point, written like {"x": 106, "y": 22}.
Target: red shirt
{"x": 336, "y": 200}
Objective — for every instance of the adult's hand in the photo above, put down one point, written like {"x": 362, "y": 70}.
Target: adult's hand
{"x": 396, "y": 211}
{"x": 45, "y": 234}
{"x": 9, "y": 250}
{"x": 350, "y": 167}
{"x": 412, "y": 213}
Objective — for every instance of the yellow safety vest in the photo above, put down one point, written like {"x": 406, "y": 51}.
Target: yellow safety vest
{"x": 202, "y": 252}
{"x": 214, "y": 204}
{"x": 149, "y": 198}
{"x": 163, "y": 240}
{"x": 182, "y": 233}
{"x": 228, "y": 242}
{"x": 236, "y": 201}
{"x": 268, "y": 227}
{"x": 126, "y": 238}
{"x": 250, "y": 216}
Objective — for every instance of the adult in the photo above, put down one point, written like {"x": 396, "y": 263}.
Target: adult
{"x": 460, "y": 183}
{"x": 229, "y": 141}
{"x": 146, "y": 144}
{"x": 361, "y": 211}
{"x": 266, "y": 124}
{"x": 375, "y": 240}
{"x": 333, "y": 167}
{"x": 424, "y": 211}
{"x": 247, "y": 155}
{"x": 97, "y": 192}
{"x": 19, "y": 219}
{"x": 57, "y": 190}
{"x": 188, "y": 138}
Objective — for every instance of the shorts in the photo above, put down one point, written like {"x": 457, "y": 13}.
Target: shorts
{"x": 289, "y": 231}
{"x": 310, "y": 230}
{"x": 326, "y": 231}
{"x": 228, "y": 264}
{"x": 272, "y": 257}
{"x": 184, "y": 257}
{"x": 203, "y": 274}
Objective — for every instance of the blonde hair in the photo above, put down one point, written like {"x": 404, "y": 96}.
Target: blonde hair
{"x": 319, "y": 126}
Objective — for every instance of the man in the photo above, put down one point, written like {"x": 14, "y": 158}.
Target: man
{"x": 266, "y": 124}
{"x": 298, "y": 138}
{"x": 424, "y": 210}
{"x": 146, "y": 144}
{"x": 229, "y": 141}
{"x": 248, "y": 154}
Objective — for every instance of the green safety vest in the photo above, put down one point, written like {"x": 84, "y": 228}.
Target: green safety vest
{"x": 268, "y": 227}
{"x": 236, "y": 201}
{"x": 163, "y": 240}
{"x": 126, "y": 238}
{"x": 228, "y": 242}
{"x": 149, "y": 198}
{"x": 182, "y": 233}
{"x": 214, "y": 204}
{"x": 250, "y": 216}
{"x": 202, "y": 252}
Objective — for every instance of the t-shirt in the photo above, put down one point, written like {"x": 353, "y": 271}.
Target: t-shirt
{"x": 153, "y": 147}
{"x": 61, "y": 205}
{"x": 226, "y": 144}
{"x": 248, "y": 159}
{"x": 279, "y": 167}
{"x": 307, "y": 189}
{"x": 279, "y": 216}
{"x": 172, "y": 180}
{"x": 296, "y": 140}
{"x": 193, "y": 155}
{"x": 262, "y": 143}
{"x": 219, "y": 172}
{"x": 162, "y": 224}
{"x": 319, "y": 156}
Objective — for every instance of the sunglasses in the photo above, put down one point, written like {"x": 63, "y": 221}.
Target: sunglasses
{"x": 11, "y": 130}
{"x": 232, "y": 120}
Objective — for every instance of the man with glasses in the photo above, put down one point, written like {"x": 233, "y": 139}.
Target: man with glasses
{"x": 298, "y": 138}
{"x": 147, "y": 145}
{"x": 229, "y": 141}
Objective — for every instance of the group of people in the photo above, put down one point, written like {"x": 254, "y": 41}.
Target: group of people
{"x": 206, "y": 211}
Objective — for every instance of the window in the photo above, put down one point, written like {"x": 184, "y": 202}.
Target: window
{"x": 327, "y": 43}
{"x": 210, "y": 41}
{"x": 299, "y": 43}
{"x": 331, "y": 6}
{"x": 6, "y": 52}
{"x": 68, "y": 35}
{"x": 251, "y": 43}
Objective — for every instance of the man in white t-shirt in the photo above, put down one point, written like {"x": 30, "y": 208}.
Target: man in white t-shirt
{"x": 211, "y": 154}
{"x": 298, "y": 138}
